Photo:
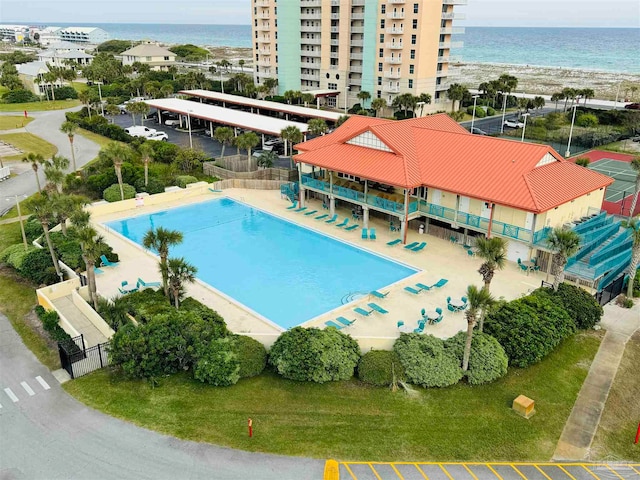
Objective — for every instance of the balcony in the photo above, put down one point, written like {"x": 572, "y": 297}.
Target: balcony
{"x": 311, "y": 53}
{"x": 448, "y": 59}
{"x": 394, "y": 45}
{"x": 357, "y": 16}
{"x": 264, "y": 3}
{"x": 391, "y": 89}
{"x": 393, "y": 60}
{"x": 309, "y": 28}
{"x": 355, "y": 68}
{"x": 452, "y": 31}
{"x": 450, "y": 44}
{"x": 453, "y": 16}
{"x": 264, "y": 63}
{"x": 356, "y": 43}
{"x": 454, "y": 2}
{"x": 443, "y": 87}
{"x": 335, "y": 29}
{"x": 392, "y": 75}
{"x": 395, "y": 30}
{"x": 355, "y": 56}
{"x": 358, "y": 3}
{"x": 264, "y": 39}
{"x": 395, "y": 15}
{"x": 357, "y": 29}
{"x": 263, "y": 27}
{"x": 355, "y": 81}
{"x": 396, "y": 2}
{"x": 310, "y": 3}
{"x": 335, "y": 16}
{"x": 310, "y": 16}
{"x": 263, "y": 15}
{"x": 310, "y": 76}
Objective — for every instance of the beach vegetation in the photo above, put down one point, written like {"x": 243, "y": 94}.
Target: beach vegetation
{"x": 115, "y": 47}
{"x": 487, "y": 360}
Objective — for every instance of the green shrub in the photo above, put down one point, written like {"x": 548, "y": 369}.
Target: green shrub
{"x": 218, "y": 364}
{"x": 636, "y": 284}
{"x": 164, "y": 152}
{"x": 488, "y": 360}
{"x": 14, "y": 255}
{"x": 153, "y": 186}
{"x": 112, "y": 193}
{"x": 37, "y": 267}
{"x": 314, "y": 355}
{"x": 183, "y": 180}
{"x": 33, "y": 229}
{"x": 251, "y": 355}
{"x": 583, "y": 161}
{"x": 425, "y": 360}
{"x": 491, "y": 111}
{"x": 480, "y": 113}
{"x": 528, "y": 328}
{"x": 380, "y": 368}
{"x": 587, "y": 120}
{"x": 51, "y": 323}
{"x": 19, "y": 95}
{"x": 580, "y": 305}
{"x": 64, "y": 93}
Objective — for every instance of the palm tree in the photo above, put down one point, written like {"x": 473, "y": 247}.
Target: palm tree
{"x": 568, "y": 93}
{"x": 70, "y": 128}
{"x": 634, "y": 226}
{"x": 291, "y": 135}
{"x": 112, "y": 109}
{"x": 85, "y": 98}
{"x": 317, "y": 126}
{"x": 363, "y": 95}
{"x": 89, "y": 244}
{"x": 146, "y": 155}
{"x": 41, "y": 207}
{"x": 35, "y": 159}
{"x": 307, "y": 98}
{"x": 241, "y": 64}
{"x": 54, "y": 171}
{"x": 224, "y": 135}
{"x": 138, "y": 108}
{"x": 160, "y": 240}
{"x": 423, "y": 99}
{"x": 494, "y": 253}
{"x": 587, "y": 93}
{"x": 179, "y": 272}
{"x": 565, "y": 243}
{"x": 289, "y": 95}
{"x": 267, "y": 159}
{"x": 635, "y": 164}
{"x": 455, "y": 93}
{"x": 556, "y": 97}
{"x": 378, "y": 104}
{"x": 478, "y": 299}
{"x": 66, "y": 206}
{"x": 247, "y": 141}
{"x": 166, "y": 90}
{"x": 117, "y": 153}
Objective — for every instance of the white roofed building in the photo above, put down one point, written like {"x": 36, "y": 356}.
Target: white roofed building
{"x": 14, "y": 33}
{"x": 90, "y": 35}
{"x": 63, "y": 53}
{"x": 31, "y": 75}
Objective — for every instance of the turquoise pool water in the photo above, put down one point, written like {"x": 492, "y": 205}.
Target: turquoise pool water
{"x": 286, "y": 273}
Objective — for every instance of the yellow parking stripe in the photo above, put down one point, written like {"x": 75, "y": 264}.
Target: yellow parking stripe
{"x": 470, "y": 472}
{"x": 614, "y": 472}
{"x": 374, "y": 472}
{"x": 540, "y": 470}
{"x": 445, "y": 471}
{"x": 518, "y": 472}
{"x": 397, "y": 472}
{"x": 493, "y": 470}
{"x": 634, "y": 469}
{"x": 350, "y": 472}
{"x": 586, "y": 467}
{"x": 565, "y": 471}
{"x": 421, "y": 472}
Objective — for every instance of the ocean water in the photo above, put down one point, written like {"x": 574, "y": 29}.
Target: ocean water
{"x": 607, "y": 49}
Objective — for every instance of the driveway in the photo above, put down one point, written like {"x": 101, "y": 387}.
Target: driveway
{"x": 48, "y": 434}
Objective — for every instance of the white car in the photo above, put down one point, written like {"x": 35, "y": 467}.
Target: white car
{"x": 158, "y": 136}
{"x": 172, "y": 122}
{"x": 513, "y": 124}
{"x": 140, "y": 131}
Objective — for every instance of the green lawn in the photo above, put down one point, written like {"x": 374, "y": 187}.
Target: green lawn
{"x": 28, "y": 142}
{"x": 11, "y": 122}
{"x": 38, "y": 106}
{"x": 348, "y": 420}
{"x": 94, "y": 137}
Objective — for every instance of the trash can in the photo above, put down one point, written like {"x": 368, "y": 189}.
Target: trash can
{"x": 421, "y": 229}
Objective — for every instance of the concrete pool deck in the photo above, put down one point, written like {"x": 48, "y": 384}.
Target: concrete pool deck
{"x": 440, "y": 259}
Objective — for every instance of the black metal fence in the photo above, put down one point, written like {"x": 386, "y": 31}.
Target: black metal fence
{"x": 611, "y": 291}
{"x": 78, "y": 360}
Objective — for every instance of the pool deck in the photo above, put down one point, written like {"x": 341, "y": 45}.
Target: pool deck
{"x": 440, "y": 259}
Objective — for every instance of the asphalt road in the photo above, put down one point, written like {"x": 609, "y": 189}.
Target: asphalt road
{"x": 46, "y": 434}
{"x": 492, "y": 125}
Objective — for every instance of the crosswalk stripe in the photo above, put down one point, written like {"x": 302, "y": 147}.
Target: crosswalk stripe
{"x": 27, "y": 389}
{"x": 41, "y": 381}
{"x": 11, "y": 395}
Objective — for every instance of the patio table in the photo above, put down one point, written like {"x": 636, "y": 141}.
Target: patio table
{"x": 432, "y": 315}
{"x": 457, "y": 304}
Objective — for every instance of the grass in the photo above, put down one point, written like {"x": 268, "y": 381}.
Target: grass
{"x": 79, "y": 86}
{"x": 28, "y": 142}
{"x": 617, "y": 429}
{"x": 38, "y": 106}
{"x": 11, "y": 122}
{"x": 94, "y": 137}
{"x": 349, "y": 420}
{"x": 623, "y": 146}
{"x": 17, "y": 299}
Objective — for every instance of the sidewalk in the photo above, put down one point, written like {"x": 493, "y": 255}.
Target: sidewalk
{"x": 582, "y": 424}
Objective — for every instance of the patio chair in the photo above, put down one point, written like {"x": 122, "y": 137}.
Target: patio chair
{"x": 400, "y": 323}
{"x": 421, "y": 324}
{"x": 411, "y": 245}
{"x": 453, "y": 239}
{"x": 362, "y": 311}
{"x": 440, "y": 283}
{"x": 464, "y": 299}
{"x": 419, "y": 247}
{"x": 294, "y": 205}
{"x": 106, "y": 262}
{"x": 372, "y": 234}
{"x": 352, "y": 227}
{"x": 451, "y": 308}
{"x": 364, "y": 234}
{"x": 332, "y": 219}
{"x": 213, "y": 190}
{"x": 333, "y": 324}
{"x": 97, "y": 271}
{"x": 471, "y": 253}
{"x": 412, "y": 290}
{"x": 523, "y": 267}
{"x": 378, "y": 294}
{"x": 422, "y": 286}
{"x": 301, "y": 209}
{"x": 322, "y": 217}
{"x": 377, "y": 308}
{"x": 392, "y": 227}
{"x": 394, "y": 242}
{"x": 345, "y": 321}
{"x": 142, "y": 283}
{"x": 311, "y": 212}
{"x": 325, "y": 206}
{"x": 343, "y": 223}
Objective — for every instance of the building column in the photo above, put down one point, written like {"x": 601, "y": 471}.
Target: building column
{"x": 403, "y": 229}
{"x": 159, "y": 117}
{"x": 211, "y": 129}
{"x": 332, "y": 205}
{"x": 365, "y": 217}
{"x": 180, "y": 117}
{"x": 302, "y": 190}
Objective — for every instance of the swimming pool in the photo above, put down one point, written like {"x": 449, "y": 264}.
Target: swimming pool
{"x": 284, "y": 272}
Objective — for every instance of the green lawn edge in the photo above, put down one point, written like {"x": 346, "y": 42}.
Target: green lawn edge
{"x": 38, "y": 106}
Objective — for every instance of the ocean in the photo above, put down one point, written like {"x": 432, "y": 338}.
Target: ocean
{"x": 607, "y": 49}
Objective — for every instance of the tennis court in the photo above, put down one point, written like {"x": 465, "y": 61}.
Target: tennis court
{"x": 622, "y": 173}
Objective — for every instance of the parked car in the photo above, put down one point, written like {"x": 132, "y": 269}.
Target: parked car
{"x": 158, "y": 136}
{"x": 275, "y": 145}
{"x": 633, "y": 106}
{"x": 123, "y": 109}
{"x": 172, "y": 122}
{"x": 513, "y": 123}
{"x": 477, "y": 131}
{"x": 139, "y": 131}
{"x": 636, "y": 138}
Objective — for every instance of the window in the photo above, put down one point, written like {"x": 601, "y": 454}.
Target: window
{"x": 414, "y": 23}
{"x": 332, "y": 86}
{"x": 148, "y": 59}
{"x": 166, "y": 58}
{"x": 383, "y": 8}
{"x": 381, "y": 53}
{"x": 411, "y": 69}
{"x": 382, "y": 23}
{"x": 382, "y": 38}
{"x": 412, "y": 54}
{"x": 414, "y": 39}
{"x": 410, "y": 83}
{"x": 415, "y": 8}
{"x": 380, "y": 67}
{"x": 379, "y": 80}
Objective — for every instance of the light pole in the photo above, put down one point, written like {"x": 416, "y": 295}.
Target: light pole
{"x": 100, "y": 94}
{"x": 525, "y": 115}
{"x": 473, "y": 114}
{"x": 615, "y": 105}
{"x": 504, "y": 109}
{"x": 221, "y": 81}
{"x": 573, "y": 118}
{"x": 24, "y": 235}
{"x": 189, "y": 121}
{"x": 346, "y": 90}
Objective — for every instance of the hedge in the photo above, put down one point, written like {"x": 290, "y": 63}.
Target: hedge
{"x": 51, "y": 323}
{"x": 580, "y": 305}
{"x": 98, "y": 124}
{"x": 426, "y": 361}
{"x": 218, "y": 364}
{"x": 183, "y": 180}
{"x": 19, "y": 96}
{"x": 488, "y": 360}
{"x": 112, "y": 193}
{"x": 380, "y": 367}
{"x": 14, "y": 255}
{"x": 251, "y": 355}
{"x": 64, "y": 93}
{"x": 38, "y": 267}
{"x": 153, "y": 186}
{"x": 314, "y": 355}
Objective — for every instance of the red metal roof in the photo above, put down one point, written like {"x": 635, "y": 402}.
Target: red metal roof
{"x": 437, "y": 152}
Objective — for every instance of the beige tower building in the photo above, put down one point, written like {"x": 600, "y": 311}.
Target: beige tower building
{"x": 384, "y": 47}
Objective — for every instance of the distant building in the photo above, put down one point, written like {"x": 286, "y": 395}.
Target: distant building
{"x": 91, "y": 35}
{"x": 155, "y": 56}
{"x": 62, "y": 54}
{"x": 47, "y": 35}
{"x": 14, "y": 33}
{"x": 31, "y": 74}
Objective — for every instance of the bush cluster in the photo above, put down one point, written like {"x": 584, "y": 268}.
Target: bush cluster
{"x": 426, "y": 361}
{"x": 183, "y": 180}
{"x": 480, "y": 113}
{"x": 380, "y": 368}
{"x": 153, "y": 186}
{"x": 251, "y": 354}
{"x": 51, "y": 323}
{"x": 582, "y": 307}
{"x": 488, "y": 360}
{"x": 34, "y": 264}
{"x": 19, "y": 95}
{"x": 64, "y": 93}
{"x": 217, "y": 364}
{"x": 112, "y": 193}
{"x": 70, "y": 253}
{"x": 314, "y": 355}
{"x": 99, "y": 125}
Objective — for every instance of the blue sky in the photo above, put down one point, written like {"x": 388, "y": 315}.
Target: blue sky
{"x": 537, "y": 13}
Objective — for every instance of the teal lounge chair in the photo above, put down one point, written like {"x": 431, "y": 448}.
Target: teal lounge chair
{"x": 372, "y": 234}
{"x": 301, "y": 209}
{"x": 344, "y": 223}
{"x": 412, "y": 290}
{"x": 295, "y": 204}
{"x": 311, "y": 212}
{"x": 332, "y": 219}
{"x": 107, "y": 263}
{"x": 377, "y": 308}
{"x": 142, "y": 283}
{"x": 364, "y": 234}
{"x": 322, "y": 217}
{"x": 215, "y": 191}
{"x": 411, "y": 245}
{"x": 440, "y": 283}
{"x": 419, "y": 247}
{"x": 362, "y": 311}
{"x": 394, "y": 242}
{"x": 378, "y": 294}
{"x": 345, "y": 322}
{"x": 97, "y": 271}
{"x": 422, "y": 286}
{"x": 352, "y": 227}
{"x": 333, "y": 324}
